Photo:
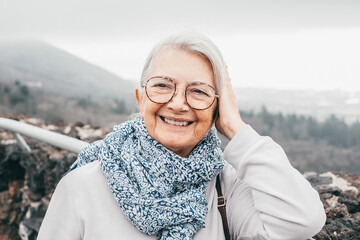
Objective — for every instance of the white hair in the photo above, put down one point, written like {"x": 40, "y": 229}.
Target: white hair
{"x": 194, "y": 43}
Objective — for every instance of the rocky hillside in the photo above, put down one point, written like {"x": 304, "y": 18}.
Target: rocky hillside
{"x": 28, "y": 180}
{"x": 45, "y": 67}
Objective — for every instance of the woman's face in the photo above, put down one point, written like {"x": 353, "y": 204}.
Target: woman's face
{"x": 163, "y": 120}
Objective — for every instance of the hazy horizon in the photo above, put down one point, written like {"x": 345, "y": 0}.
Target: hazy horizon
{"x": 307, "y": 44}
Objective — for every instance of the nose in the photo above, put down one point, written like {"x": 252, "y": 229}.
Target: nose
{"x": 178, "y": 101}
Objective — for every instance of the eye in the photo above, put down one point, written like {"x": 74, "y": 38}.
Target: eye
{"x": 198, "y": 92}
{"x": 162, "y": 85}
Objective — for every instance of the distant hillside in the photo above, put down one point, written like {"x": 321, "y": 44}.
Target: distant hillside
{"x": 17, "y": 98}
{"x": 38, "y": 64}
{"x": 318, "y": 104}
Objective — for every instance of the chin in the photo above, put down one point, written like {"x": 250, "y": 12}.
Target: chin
{"x": 179, "y": 148}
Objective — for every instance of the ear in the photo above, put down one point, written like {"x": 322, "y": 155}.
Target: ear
{"x": 139, "y": 97}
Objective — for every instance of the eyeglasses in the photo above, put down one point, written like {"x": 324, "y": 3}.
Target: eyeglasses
{"x": 160, "y": 89}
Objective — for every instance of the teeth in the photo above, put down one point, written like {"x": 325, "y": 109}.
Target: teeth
{"x": 176, "y": 123}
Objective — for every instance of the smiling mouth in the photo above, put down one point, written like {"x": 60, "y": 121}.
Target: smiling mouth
{"x": 175, "y": 123}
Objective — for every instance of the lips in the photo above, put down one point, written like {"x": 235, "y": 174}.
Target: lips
{"x": 176, "y": 122}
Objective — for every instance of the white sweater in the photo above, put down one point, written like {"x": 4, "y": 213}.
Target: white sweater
{"x": 266, "y": 199}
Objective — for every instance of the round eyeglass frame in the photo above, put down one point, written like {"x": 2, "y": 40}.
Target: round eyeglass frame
{"x": 172, "y": 80}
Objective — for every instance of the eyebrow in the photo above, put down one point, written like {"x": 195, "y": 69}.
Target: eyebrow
{"x": 190, "y": 83}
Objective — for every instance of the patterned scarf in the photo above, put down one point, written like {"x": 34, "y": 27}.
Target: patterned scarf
{"x": 159, "y": 191}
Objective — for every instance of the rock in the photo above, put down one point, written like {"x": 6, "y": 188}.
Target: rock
{"x": 26, "y": 233}
{"x": 322, "y": 189}
{"x": 33, "y": 121}
{"x": 28, "y": 181}
{"x": 10, "y": 211}
{"x": 335, "y": 209}
{"x": 341, "y": 183}
{"x": 341, "y": 202}
{"x": 343, "y": 228}
{"x": 325, "y": 196}
{"x": 10, "y": 167}
{"x": 71, "y": 131}
{"x": 317, "y": 180}
{"x": 353, "y": 206}
{"x": 90, "y": 134}
{"x": 79, "y": 124}
{"x": 350, "y": 195}
{"x": 60, "y": 123}
{"x": 310, "y": 174}
{"x": 351, "y": 178}
{"x": 34, "y": 216}
{"x": 8, "y": 142}
{"x": 356, "y": 216}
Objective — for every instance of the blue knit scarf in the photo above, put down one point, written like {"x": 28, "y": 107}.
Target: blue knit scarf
{"x": 157, "y": 190}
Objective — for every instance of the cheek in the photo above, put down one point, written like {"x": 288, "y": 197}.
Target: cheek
{"x": 148, "y": 114}
{"x": 145, "y": 108}
{"x": 211, "y": 114}
{"x": 206, "y": 120}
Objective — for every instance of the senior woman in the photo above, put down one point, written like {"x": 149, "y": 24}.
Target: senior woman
{"x": 154, "y": 177}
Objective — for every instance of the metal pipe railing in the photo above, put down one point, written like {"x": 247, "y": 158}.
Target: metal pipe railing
{"x": 21, "y": 142}
{"x": 56, "y": 139}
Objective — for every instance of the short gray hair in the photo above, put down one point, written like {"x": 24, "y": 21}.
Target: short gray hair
{"x": 195, "y": 43}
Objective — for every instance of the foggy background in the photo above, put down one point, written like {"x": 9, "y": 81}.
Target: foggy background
{"x": 267, "y": 44}
{"x": 295, "y": 65}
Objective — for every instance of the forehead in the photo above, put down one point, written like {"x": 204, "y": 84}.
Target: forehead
{"x": 183, "y": 66}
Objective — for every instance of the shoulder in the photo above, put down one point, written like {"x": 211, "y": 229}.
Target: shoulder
{"x": 227, "y": 173}
{"x": 87, "y": 175}
{"x": 230, "y": 182}
{"x": 90, "y": 169}
{"x": 245, "y": 140}
{"x": 86, "y": 186}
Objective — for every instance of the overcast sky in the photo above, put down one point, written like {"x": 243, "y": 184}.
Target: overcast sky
{"x": 280, "y": 44}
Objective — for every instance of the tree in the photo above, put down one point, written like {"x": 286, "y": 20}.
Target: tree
{"x": 7, "y": 89}
{"x": 119, "y": 107}
{"x": 16, "y": 98}
{"x": 24, "y": 90}
{"x": 267, "y": 118}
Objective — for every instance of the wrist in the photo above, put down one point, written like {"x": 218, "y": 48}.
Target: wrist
{"x": 233, "y": 129}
